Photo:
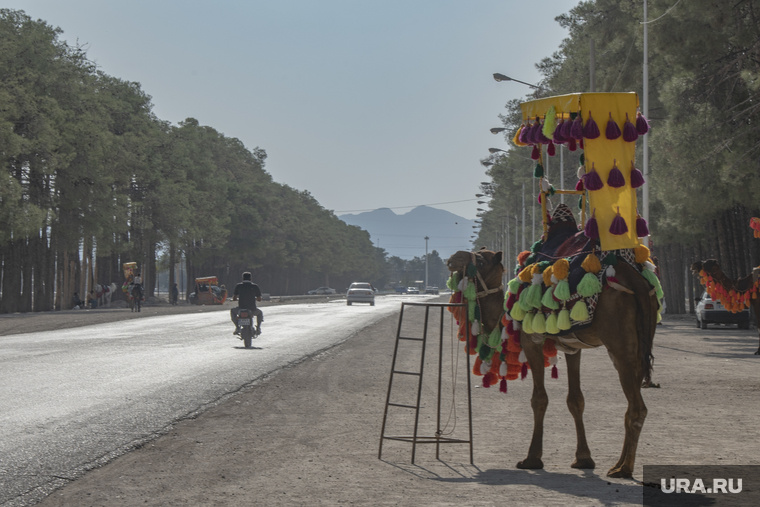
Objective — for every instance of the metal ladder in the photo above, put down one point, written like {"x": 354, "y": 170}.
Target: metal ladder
{"x": 415, "y": 438}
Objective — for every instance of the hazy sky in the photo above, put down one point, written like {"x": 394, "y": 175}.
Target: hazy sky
{"x": 363, "y": 103}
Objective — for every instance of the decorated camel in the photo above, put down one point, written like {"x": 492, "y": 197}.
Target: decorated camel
{"x": 573, "y": 289}
{"x": 734, "y": 295}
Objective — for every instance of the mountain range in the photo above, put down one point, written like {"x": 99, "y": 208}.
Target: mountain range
{"x": 404, "y": 235}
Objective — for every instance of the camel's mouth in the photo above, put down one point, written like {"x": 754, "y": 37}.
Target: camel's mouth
{"x": 458, "y": 262}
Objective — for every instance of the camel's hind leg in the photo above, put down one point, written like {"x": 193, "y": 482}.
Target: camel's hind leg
{"x": 538, "y": 402}
{"x": 576, "y": 404}
{"x": 630, "y": 379}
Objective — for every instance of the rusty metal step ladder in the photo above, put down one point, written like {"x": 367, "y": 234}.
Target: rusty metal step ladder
{"x": 415, "y": 438}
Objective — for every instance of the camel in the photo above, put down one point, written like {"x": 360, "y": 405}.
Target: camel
{"x": 625, "y": 324}
{"x": 740, "y": 287}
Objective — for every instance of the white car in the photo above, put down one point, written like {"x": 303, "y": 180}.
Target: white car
{"x": 712, "y": 312}
{"x": 412, "y": 290}
{"x": 360, "y": 292}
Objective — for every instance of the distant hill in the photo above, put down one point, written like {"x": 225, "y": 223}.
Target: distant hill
{"x": 404, "y": 235}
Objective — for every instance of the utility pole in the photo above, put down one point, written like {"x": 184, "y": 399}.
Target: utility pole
{"x": 426, "y": 262}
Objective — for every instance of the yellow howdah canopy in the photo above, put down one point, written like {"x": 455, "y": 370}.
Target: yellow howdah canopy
{"x": 601, "y": 155}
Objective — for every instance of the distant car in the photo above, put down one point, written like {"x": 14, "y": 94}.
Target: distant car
{"x": 431, "y": 290}
{"x": 321, "y": 291}
{"x": 401, "y": 290}
{"x": 360, "y": 292}
{"x": 712, "y": 312}
{"x": 412, "y": 290}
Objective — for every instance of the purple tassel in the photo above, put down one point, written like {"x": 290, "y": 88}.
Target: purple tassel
{"x": 523, "y": 137}
{"x": 576, "y": 130}
{"x": 531, "y": 135}
{"x": 642, "y": 125}
{"x": 571, "y": 144}
{"x": 591, "y": 130}
{"x": 591, "y": 229}
{"x": 613, "y": 131}
{"x": 567, "y": 126}
{"x": 618, "y": 227}
{"x": 555, "y": 372}
{"x": 557, "y": 137}
{"x": 550, "y": 149}
{"x": 524, "y": 371}
{"x": 536, "y": 153}
{"x": 540, "y": 136}
{"x": 503, "y": 385}
{"x": 637, "y": 179}
{"x": 642, "y": 229}
{"x": 615, "y": 179}
{"x": 592, "y": 181}
{"x": 630, "y": 134}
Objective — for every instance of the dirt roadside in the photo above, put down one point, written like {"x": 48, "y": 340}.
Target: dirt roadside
{"x": 310, "y": 433}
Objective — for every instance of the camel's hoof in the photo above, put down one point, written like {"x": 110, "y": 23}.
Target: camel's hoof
{"x": 585, "y": 463}
{"x": 620, "y": 473}
{"x": 531, "y": 464}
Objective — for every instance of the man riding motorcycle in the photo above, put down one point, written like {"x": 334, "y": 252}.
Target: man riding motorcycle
{"x": 247, "y": 293}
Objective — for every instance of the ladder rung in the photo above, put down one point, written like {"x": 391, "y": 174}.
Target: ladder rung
{"x": 410, "y": 338}
{"x": 402, "y": 406}
{"x": 406, "y": 373}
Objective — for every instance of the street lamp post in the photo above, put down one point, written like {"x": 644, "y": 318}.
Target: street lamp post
{"x": 426, "y": 261}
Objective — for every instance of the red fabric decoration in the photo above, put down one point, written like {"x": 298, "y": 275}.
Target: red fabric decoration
{"x": 618, "y": 226}
{"x": 613, "y": 131}
{"x": 630, "y": 134}
{"x": 590, "y": 130}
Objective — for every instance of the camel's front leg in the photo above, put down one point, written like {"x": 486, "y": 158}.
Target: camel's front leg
{"x": 576, "y": 404}
{"x": 538, "y": 402}
{"x": 630, "y": 380}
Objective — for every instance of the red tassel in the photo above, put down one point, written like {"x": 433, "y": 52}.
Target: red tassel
{"x": 615, "y": 179}
{"x": 536, "y": 153}
{"x": 555, "y": 372}
{"x": 571, "y": 144}
{"x": 590, "y": 130}
{"x": 618, "y": 227}
{"x": 524, "y": 371}
{"x": 579, "y": 186}
{"x": 613, "y": 131}
{"x": 630, "y": 134}
{"x": 550, "y": 149}
{"x": 503, "y": 385}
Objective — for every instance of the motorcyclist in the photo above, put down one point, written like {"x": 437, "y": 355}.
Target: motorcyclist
{"x": 246, "y": 293}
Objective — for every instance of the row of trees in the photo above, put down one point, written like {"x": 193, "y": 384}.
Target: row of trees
{"x": 704, "y": 79}
{"x": 92, "y": 178}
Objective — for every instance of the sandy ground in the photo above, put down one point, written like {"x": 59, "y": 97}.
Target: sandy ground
{"x": 310, "y": 433}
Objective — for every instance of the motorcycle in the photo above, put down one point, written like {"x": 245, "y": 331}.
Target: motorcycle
{"x": 248, "y": 329}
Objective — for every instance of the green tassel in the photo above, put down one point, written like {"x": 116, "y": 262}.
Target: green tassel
{"x": 548, "y": 300}
{"x": 610, "y": 260}
{"x": 522, "y": 301}
{"x": 652, "y": 279}
{"x": 517, "y": 313}
{"x": 514, "y": 285}
{"x": 562, "y": 290}
{"x": 582, "y": 159}
{"x": 538, "y": 171}
{"x": 494, "y": 339}
{"x": 539, "y": 323}
{"x": 453, "y": 282}
{"x": 563, "y": 320}
{"x": 550, "y": 122}
{"x": 536, "y": 247}
{"x": 580, "y": 203}
{"x": 533, "y": 297}
{"x": 485, "y": 352}
{"x": 589, "y": 285}
{"x": 579, "y": 313}
{"x": 527, "y": 323}
{"x": 551, "y": 323}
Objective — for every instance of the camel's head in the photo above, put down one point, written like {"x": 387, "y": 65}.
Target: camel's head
{"x": 487, "y": 263}
{"x": 710, "y": 266}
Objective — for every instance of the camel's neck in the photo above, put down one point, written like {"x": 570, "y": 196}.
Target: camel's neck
{"x": 491, "y": 309}
{"x": 728, "y": 284}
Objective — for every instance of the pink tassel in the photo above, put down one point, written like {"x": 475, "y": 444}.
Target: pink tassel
{"x": 637, "y": 179}
{"x": 642, "y": 124}
{"x": 557, "y": 137}
{"x": 555, "y": 372}
{"x": 613, "y": 131}
{"x": 576, "y": 130}
{"x": 503, "y": 385}
{"x": 642, "y": 229}
{"x": 618, "y": 226}
{"x": 630, "y": 134}
{"x": 579, "y": 186}
{"x": 590, "y": 130}
{"x": 591, "y": 229}
{"x": 536, "y": 154}
{"x": 550, "y": 149}
{"x": 591, "y": 180}
{"x": 524, "y": 371}
{"x": 571, "y": 144}
{"x": 615, "y": 179}
{"x": 580, "y": 144}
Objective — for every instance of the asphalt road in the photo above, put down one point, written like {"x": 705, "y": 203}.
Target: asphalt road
{"x": 73, "y": 399}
